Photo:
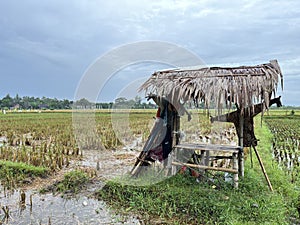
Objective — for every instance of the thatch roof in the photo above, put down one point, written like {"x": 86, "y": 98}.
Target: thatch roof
{"x": 243, "y": 85}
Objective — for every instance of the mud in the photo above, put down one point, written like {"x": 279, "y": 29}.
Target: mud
{"x": 81, "y": 209}
{"x": 53, "y": 209}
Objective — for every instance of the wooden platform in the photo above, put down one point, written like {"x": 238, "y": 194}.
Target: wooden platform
{"x": 207, "y": 152}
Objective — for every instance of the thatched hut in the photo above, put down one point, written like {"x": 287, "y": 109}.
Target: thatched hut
{"x": 248, "y": 88}
{"x": 243, "y": 85}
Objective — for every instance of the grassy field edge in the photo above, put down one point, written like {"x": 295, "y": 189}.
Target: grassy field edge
{"x": 181, "y": 200}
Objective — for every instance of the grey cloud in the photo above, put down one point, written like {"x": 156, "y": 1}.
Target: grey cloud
{"x": 65, "y": 37}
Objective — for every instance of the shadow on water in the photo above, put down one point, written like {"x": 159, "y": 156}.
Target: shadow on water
{"x": 38, "y": 208}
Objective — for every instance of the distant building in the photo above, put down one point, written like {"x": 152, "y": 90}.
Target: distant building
{"x": 15, "y": 107}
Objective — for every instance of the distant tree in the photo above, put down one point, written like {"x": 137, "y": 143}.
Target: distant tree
{"x": 104, "y": 105}
{"x": 66, "y": 104}
{"x": 121, "y": 102}
{"x": 17, "y": 99}
{"x": 7, "y": 102}
{"x": 83, "y": 103}
{"x": 27, "y": 102}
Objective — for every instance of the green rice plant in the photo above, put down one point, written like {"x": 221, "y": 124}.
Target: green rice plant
{"x": 73, "y": 181}
{"x": 285, "y": 143}
{"x": 12, "y": 173}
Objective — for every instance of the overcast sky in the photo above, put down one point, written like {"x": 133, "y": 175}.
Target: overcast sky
{"x": 46, "y": 46}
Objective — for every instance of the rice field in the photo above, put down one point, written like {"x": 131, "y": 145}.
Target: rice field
{"x": 35, "y": 142}
{"x": 47, "y": 139}
{"x": 285, "y": 128}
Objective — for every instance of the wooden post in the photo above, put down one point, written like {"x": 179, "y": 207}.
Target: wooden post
{"x": 235, "y": 167}
{"x": 241, "y": 143}
{"x": 176, "y": 129}
{"x": 175, "y": 140}
{"x": 202, "y": 161}
{"x": 251, "y": 158}
{"x": 173, "y": 158}
{"x": 241, "y": 162}
{"x": 207, "y": 155}
{"x": 169, "y": 165}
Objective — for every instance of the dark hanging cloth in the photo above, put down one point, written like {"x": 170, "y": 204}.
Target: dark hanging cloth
{"x": 159, "y": 143}
{"x": 167, "y": 142}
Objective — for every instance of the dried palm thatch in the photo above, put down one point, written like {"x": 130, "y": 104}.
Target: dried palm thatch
{"x": 221, "y": 86}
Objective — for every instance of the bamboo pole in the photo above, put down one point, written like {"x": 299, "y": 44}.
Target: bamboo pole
{"x": 263, "y": 169}
{"x": 136, "y": 168}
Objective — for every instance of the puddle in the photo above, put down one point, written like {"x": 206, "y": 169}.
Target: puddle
{"x": 51, "y": 209}
{"x": 109, "y": 164}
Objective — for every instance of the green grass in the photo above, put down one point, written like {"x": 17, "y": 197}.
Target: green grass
{"x": 73, "y": 181}
{"x": 282, "y": 112}
{"x": 277, "y": 175}
{"x": 23, "y": 168}
{"x": 13, "y": 172}
{"x": 181, "y": 200}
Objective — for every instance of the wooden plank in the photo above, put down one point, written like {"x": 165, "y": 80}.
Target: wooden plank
{"x": 206, "y": 167}
{"x": 209, "y": 147}
{"x": 217, "y": 157}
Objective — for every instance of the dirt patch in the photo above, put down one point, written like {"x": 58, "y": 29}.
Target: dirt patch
{"x": 100, "y": 166}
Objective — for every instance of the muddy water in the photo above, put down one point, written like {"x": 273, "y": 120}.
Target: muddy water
{"x": 51, "y": 209}
{"x": 54, "y": 209}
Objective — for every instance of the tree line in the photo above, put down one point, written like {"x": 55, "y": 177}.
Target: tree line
{"x": 26, "y": 102}
{"x": 119, "y": 103}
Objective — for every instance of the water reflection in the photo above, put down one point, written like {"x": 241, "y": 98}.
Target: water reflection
{"x": 51, "y": 209}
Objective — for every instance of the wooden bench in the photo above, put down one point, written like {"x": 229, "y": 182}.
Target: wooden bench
{"x": 182, "y": 153}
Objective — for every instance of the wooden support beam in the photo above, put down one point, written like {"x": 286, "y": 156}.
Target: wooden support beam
{"x": 241, "y": 143}
{"x": 235, "y": 171}
{"x": 263, "y": 169}
{"x": 235, "y": 167}
{"x": 209, "y": 147}
{"x": 217, "y": 157}
{"x": 173, "y": 156}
